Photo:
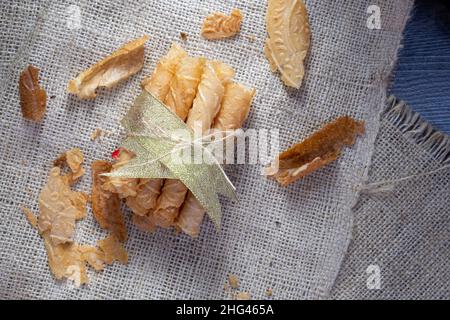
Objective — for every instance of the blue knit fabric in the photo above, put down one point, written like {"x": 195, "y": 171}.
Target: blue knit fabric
{"x": 422, "y": 77}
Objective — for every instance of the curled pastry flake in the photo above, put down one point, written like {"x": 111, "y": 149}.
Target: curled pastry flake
{"x": 33, "y": 99}
{"x": 289, "y": 39}
{"x": 105, "y": 204}
{"x": 117, "y": 67}
{"x": 73, "y": 158}
{"x": 218, "y": 25}
{"x": 316, "y": 151}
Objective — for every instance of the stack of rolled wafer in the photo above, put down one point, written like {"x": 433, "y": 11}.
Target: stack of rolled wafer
{"x": 199, "y": 91}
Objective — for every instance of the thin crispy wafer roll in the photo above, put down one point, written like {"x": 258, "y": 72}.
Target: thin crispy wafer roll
{"x": 235, "y": 107}
{"x": 124, "y": 187}
{"x": 233, "y": 113}
{"x": 183, "y": 86}
{"x": 191, "y": 216}
{"x": 158, "y": 83}
{"x": 205, "y": 107}
{"x": 147, "y": 193}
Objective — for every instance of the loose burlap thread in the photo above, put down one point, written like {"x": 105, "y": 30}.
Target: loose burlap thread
{"x": 292, "y": 240}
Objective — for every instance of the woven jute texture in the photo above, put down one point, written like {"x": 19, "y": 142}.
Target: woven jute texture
{"x": 290, "y": 239}
{"x": 402, "y": 229}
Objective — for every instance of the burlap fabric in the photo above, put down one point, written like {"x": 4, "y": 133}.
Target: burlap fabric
{"x": 402, "y": 218}
{"x": 290, "y": 239}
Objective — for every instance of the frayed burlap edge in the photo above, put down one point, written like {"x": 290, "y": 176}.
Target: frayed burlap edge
{"x": 418, "y": 130}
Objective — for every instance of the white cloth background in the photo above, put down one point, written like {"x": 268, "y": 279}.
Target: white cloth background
{"x": 290, "y": 239}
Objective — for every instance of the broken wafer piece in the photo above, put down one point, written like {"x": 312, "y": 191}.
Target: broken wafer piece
{"x": 59, "y": 208}
{"x": 316, "y": 151}
{"x": 73, "y": 159}
{"x": 108, "y": 72}
{"x": 242, "y": 296}
{"x": 32, "y": 219}
{"x": 33, "y": 99}
{"x": 105, "y": 204}
{"x": 66, "y": 261}
{"x": 218, "y": 25}
{"x": 289, "y": 39}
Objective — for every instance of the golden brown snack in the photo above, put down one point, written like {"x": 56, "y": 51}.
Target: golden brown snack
{"x": 191, "y": 216}
{"x": 218, "y": 25}
{"x": 144, "y": 223}
{"x": 183, "y": 86}
{"x": 232, "y": 115}
{"x": 158, "y": 83}
{"x": 59, "y": 207}
{"x": 113, "y": 250}
{"x": 94, "y": 256}
{"x": 316, "y": 151}
{"x": 97, "y": 133}
{"x": 211, "y": 90}
{"x": 105, "y": 204}
{"x": 169, "y": 202}
{"x": 73, "y": 159}
{"x": 66, "y": 261}
{"x": 33, "y": 99}
{"x": 243, "y": 296}
{"x": 233, "y": 280}
{"x": 235, "y": 107}
{"x": 143, "y": 193}
{"x": 32, "y": 219}
{"x": 183, "y": 36}
{"x": 118, "y": 66}
{"x": 69, "y": 260}
{"x": 289, "y": 39}
{"x": 124, "y": 187}
{"x": 147, "y": 193}
{"x": 204, "y": 109}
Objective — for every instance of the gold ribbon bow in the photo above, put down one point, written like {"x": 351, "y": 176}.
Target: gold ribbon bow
{"x": 150, "y": 126}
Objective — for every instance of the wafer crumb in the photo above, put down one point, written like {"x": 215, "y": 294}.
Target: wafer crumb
{"x": 97, "y": 133}
{"x": 183, "y": 36}
{"x": 243, "y": 296}
{"x": 32, "y": 219}
{"x": 233, "y": 280}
